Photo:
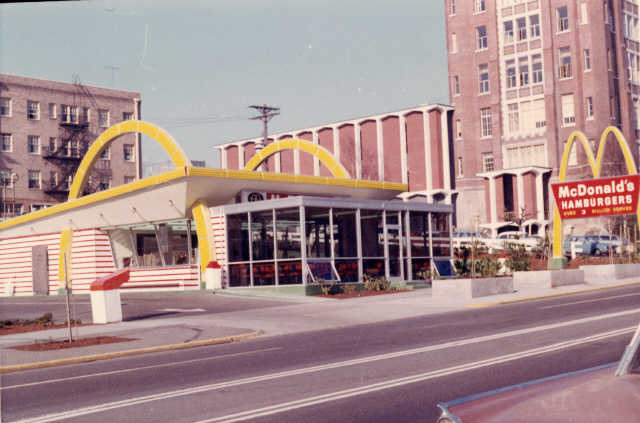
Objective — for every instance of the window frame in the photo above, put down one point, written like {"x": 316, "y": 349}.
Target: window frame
{"x": 103, "y": 118}
{"x": 562, "y": 21}
{"x": 587, "y": 59}
{"x": 7, "y": 107}
{"x": 33, "y": 114}
{"x": 537, "y": 74}
{"x": 480, "y": 6}
{"x": 37, "y": 184}
{"x": 132, "y": 153}
{"x": 486, "y": 123}
{"x": 482, "y": 40}
{"x": 31, "y": 143}
{"x": 483, "y": 79}
{"x": 565, "y": 70}
{"x": 488, "y": 164}
{"x": 3, "y": 136}
{"x": 534, "y": 28}
{"x": 589, "y": 106}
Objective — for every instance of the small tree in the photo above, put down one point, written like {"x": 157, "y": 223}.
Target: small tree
{"x": 518, "y": 259}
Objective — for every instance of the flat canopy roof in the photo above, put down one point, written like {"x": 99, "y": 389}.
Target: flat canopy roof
{"x": 170, "y": 196}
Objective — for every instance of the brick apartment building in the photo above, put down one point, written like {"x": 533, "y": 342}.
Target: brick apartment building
{"x": 46, "y": 127}
{"x": 524, "y": 75}
{"x": 410, "y": 146}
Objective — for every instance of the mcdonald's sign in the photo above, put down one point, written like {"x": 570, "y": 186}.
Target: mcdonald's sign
{"x": 594, "y": 197}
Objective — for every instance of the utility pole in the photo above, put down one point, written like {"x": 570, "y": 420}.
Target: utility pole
{"x": 266, "y": 113}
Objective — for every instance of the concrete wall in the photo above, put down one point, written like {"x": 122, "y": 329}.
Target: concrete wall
{"x": 547, "y": 278}
{"x": 471, "y": 288}
{"x": 605, "y": 272}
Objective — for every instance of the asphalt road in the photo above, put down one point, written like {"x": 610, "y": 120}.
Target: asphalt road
{"x": 394, "y": 371}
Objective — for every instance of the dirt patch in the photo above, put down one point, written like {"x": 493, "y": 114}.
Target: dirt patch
{"x": 61, "y": 345}
{"x": 357, "y": 294}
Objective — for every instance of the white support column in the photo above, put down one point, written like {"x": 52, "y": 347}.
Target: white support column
{"x": 316, "y": 162}
{"x": 241, "y": 156}
{"x": 277, "y": 159}
{"x": 403, "y": 149}
{"x": 520, "y": 182}
{"x": 446, "y": 160}
{"x": 296, "y": 161}
{"x": 223, "y": 158}
{"x": 427, "y": 151}
{"x": 539, "y": 197}
{"x": 358, "y": 147}
{"x": 336, "y": 142}
{"x": 492, "y": 199}
{"x": 380, "y": 149}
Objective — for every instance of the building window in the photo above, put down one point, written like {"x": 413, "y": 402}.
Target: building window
{"x": 568, "y": 110}
{"x": 485, "y": 119}
{"x": 129, "y": 179}
{"x": 66, "y": 148}
{"x": 523, "y": 69}
{"x": 460, "y": 170}
{"x": 86, "y": 115}
{"x": 536, "y": 68}
{"x": 609, "y": 60}
{"x": 6, "y": 144}
{"x": 105, "y": 184}
{"x": 589, "y": 107}
{"x": 481, "y": 37}
{"x": 5, "y": 106}
{"x": 584, "y": 16}
{"x": 587, "y": 60}
{"x": 483, "y": 78}
{"x": 53, "y": 144}
{"x": 53, "y": 179}
{"x": 480, "y": 6}
{"x": 564, "y": 59}
{"x": 67, "y": 182}
{"x": 106, "y": 153}
{"x": 612, "y": 108}
{"x": 456, "y": 85}
{"x": 103, "y": 118}
{"x": 53, "y": 111}
{"x": 522, "y": 29}
{"x": 452, "y": 7}
{"x": 33, "y": 144}
{"x": 487, "y": 162}
{"x": 458, "y": 129}
{"x": 127, "y": 116}
{"x": 513, "y": 117}
{"x": 562, "y": 16}
{"x": 34, "y": 179}
{"x": 511, "y": 73}
{"x": 534, "y": 26}
{"x": 508, "y": 32}
{"x": 6, "y": 178}
{"x": 69, "y": 114}
{"x": 33, "y": 110}
{"x": 454, "y": 43}
{"x": 128, "y": 152}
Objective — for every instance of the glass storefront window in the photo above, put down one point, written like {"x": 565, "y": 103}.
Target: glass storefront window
{"x": 440, "y": 234}
{"x": 238, "y": 237}
{"x": 345, "y": 233}
{"x": 373, "y": 267}
{"x": 348, "y": 270}
{"x": 288, "y": 233}
{"x": 262, "y": 235}
{"x": 321, "y": 269}
{"x": 419, "y": 234}
{"x": 290, "y": 272}
{"x": 419, "y": 267}
{"x": 317, "y": 232}
{"x": 264, "y": 274}
{"x": 371, "y": 229}
{"x": 239, "y": 275}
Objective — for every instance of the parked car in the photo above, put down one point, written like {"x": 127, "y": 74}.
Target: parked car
{"x": 530, "y": 242}
{"x": 600, "y": 394}
{"x": 582, "y": 245}
{"x": 464, "y": 239}
{"x": 605, "y": 242}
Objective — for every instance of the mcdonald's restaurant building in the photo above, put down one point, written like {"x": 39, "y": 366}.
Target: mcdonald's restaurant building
{"x": 170, "y": 230}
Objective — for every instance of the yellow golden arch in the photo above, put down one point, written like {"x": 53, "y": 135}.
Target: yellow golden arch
{"x": 334, "y": 166}
{"x": 179, "y": 158}
{"x": 595, "y": 164}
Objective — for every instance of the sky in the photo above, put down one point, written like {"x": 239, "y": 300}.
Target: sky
{"x": 199, "y": 64}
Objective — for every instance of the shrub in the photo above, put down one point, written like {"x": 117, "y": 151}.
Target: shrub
{"x": 518, "y": 259}
{"x": 372, "y": 283}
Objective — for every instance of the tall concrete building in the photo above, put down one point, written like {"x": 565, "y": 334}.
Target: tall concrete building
{"x": 523, "y": 75}
{"x": 46, "y": 127}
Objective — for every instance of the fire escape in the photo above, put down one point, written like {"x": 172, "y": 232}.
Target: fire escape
{"x": 74, "y": 139}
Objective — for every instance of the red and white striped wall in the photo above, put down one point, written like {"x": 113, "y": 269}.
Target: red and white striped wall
{"x": 219, "y": 239}
{"x": 91, "y": 258}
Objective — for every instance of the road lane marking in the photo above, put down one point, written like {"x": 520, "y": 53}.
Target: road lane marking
{"x": 183, "y": 310}
{"x": 212, "y": 387}
{"x": 590, "y": 301}
{"x": 394, "y": 383}
{"x": 173, "y": 363}
{"x": 321, "y": 398}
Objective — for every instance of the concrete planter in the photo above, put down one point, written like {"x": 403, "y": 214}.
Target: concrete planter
{"x": 471, "y": 288}
{"x": 547, "y": 278}
{"x": 604, "y": 272}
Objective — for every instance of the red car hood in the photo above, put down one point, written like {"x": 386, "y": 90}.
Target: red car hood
{"x": 594, "y": 396}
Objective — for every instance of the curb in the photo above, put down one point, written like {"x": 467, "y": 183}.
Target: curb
{"x": 125, "y": 353}
{"x": 542, "y": 297}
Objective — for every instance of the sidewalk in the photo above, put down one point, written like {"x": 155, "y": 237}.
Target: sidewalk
{"x": 300, "y": 314}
